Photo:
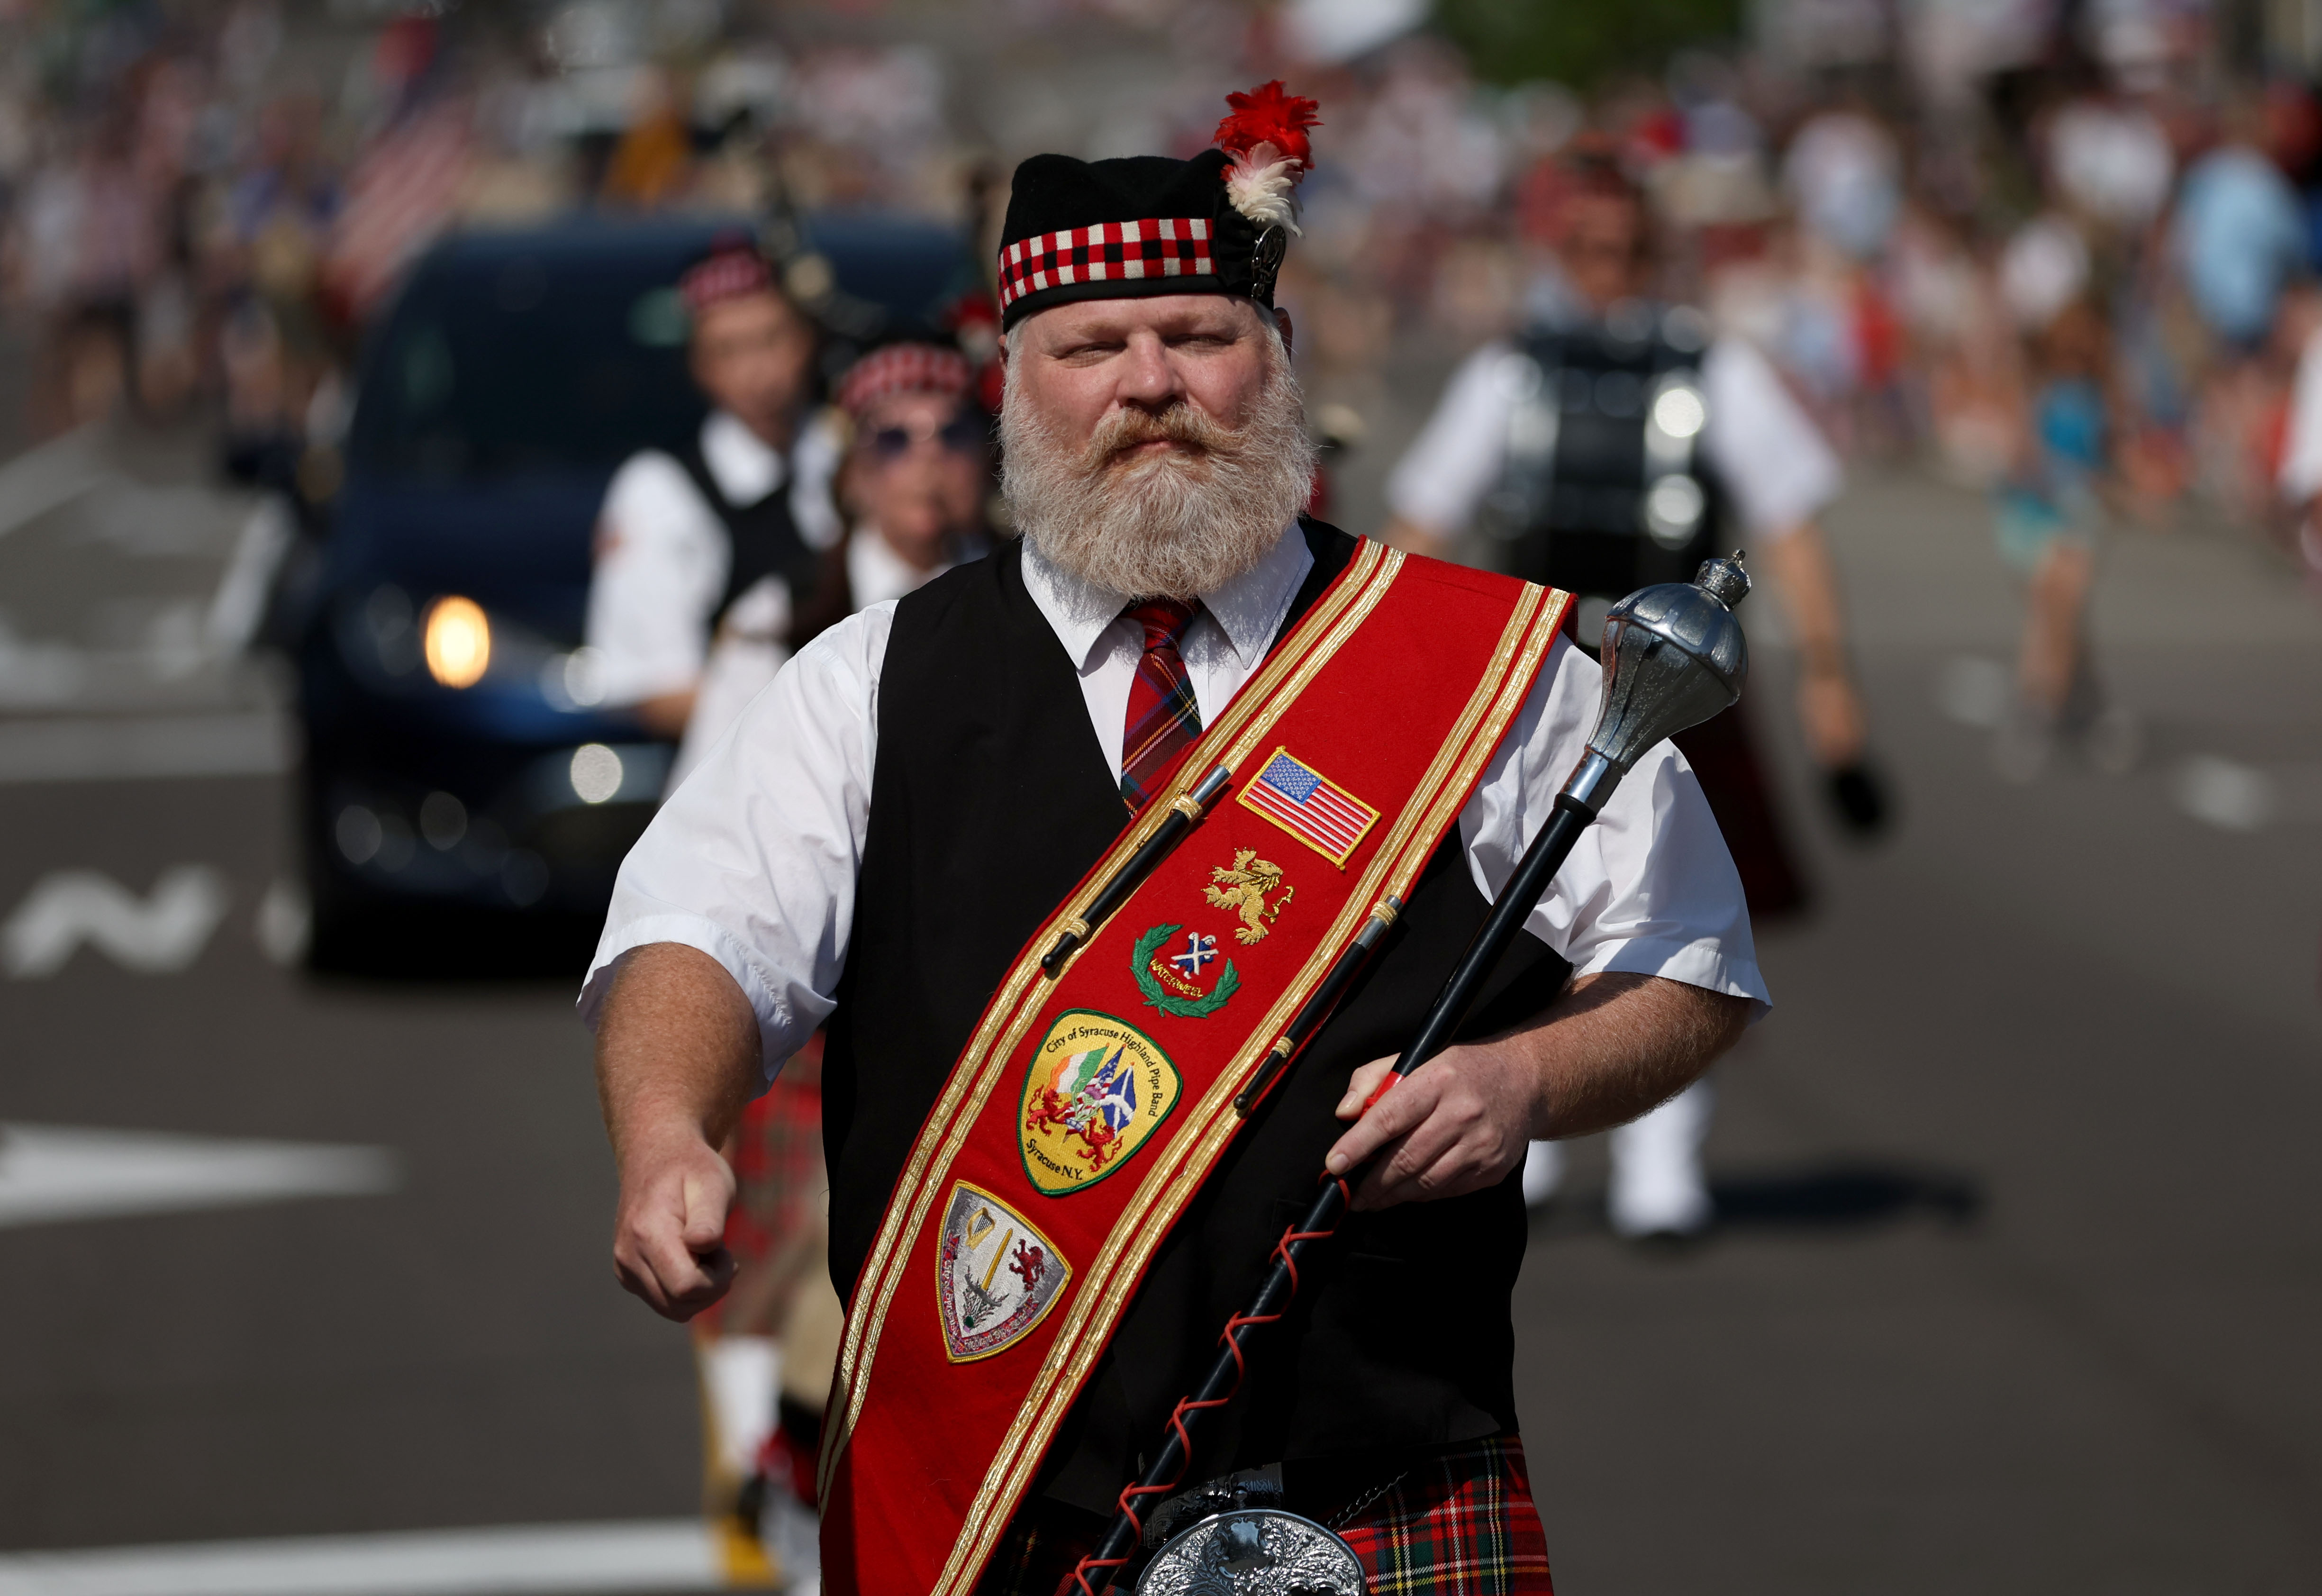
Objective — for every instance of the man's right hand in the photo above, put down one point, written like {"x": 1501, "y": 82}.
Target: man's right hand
{"x": 677, "y": 1058}
{"x": 669, "y": 1231}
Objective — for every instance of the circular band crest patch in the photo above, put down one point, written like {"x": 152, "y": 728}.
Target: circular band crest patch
{"x": 1096, "y": 1088}
{"x": 996, "y": 1275}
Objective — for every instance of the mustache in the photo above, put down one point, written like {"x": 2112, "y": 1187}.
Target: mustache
{"x": 1179, "y": 424}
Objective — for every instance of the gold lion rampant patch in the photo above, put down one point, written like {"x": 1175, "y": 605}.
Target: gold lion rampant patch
{"x": 1242, "y": 886}
{"x": 996, "y": 1275}
{"x": 1096, "y": 1089}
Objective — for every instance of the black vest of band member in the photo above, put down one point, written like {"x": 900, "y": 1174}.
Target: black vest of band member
{"x": 764, "y": 539}
{"x": 1604, "y": 490}
{"x": 990, "y": 798}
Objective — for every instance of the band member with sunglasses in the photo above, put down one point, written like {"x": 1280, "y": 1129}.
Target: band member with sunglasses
{"x": 731, "y": 527}
{"x": 911, "y": 486}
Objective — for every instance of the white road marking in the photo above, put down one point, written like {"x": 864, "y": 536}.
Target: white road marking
{"x": 155, "y": 935}
{"x": 51, "y": 1173}
{"x": 240, "y": 602}
{"x": 134, "y": 748}
{"x": 159, "y": 523}
{"x": 2229, "y": 796}
{"x": 284, "y": 923}
{"x": 38, "y": 675}
{"x": 640, "y": 1554}
{"x": 40, "y": 480}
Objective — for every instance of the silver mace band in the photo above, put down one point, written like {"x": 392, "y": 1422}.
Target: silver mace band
{"x": 1673, "y": 657}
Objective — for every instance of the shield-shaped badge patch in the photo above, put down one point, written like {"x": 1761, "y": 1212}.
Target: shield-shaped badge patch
{"x": 996, "y": 1276}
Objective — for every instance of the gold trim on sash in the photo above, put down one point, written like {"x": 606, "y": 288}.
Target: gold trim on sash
{"x": 1253, "y": 710}
{"x": 1178, "y": 1169}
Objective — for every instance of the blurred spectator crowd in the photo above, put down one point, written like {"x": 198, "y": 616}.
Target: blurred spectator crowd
{"x": 1962, "y": 245}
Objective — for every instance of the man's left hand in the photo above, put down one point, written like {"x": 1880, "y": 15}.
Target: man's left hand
{"x": 1611, "y": 1047}
{"x": 1458, "y": 1124}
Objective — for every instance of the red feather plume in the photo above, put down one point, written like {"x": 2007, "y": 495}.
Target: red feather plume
{"x": 1266, "y": 115}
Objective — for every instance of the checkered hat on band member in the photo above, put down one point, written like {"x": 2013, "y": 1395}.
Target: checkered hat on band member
{"x": 904, "y": 369}
{"x": 733, "y": 270}
{"x": 1149, "y": 225}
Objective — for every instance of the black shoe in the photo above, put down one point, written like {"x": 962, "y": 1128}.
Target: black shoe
{"x": 1859, "y": 796}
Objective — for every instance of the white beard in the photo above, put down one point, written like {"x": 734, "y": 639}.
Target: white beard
{"x": 1172, "y": 525}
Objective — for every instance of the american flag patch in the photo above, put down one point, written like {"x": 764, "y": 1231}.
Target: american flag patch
{"x": 1310, "y": 806}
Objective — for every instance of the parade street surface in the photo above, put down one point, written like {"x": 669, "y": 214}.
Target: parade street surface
{"x": 2015, "y": 1289}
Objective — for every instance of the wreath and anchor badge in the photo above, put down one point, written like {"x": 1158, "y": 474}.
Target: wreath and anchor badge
{"x": 1172, "y": 983}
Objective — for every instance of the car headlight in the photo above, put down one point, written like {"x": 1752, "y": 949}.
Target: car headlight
{"x": 457, "y": 641}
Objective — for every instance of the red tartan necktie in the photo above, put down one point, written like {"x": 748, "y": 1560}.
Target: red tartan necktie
{"x": 1162, "y": 714}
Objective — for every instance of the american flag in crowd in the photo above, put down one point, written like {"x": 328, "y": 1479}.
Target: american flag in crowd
{"x": 401, "y": 194}
{"x": 1310, "y": 806}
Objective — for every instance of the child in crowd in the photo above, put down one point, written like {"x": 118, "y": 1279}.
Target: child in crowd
{"x": 2050, "y": 506}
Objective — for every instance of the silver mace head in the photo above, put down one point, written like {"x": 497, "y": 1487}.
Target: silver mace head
{"x": 1673, "y": 656}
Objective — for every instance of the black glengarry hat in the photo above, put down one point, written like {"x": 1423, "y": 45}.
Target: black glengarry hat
{"x": 1146, "y": 225}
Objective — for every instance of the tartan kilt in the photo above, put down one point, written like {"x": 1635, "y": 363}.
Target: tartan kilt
{"x": 775, "y": 1228}
{"x": 1461, "y": 1523}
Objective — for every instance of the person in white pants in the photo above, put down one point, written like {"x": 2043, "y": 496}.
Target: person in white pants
{"x": 1658, "y": 1190}
{"x": 1778, "y": 473}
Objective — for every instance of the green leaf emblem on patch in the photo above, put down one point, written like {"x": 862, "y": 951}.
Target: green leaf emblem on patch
{"x": 1170, "y": 983}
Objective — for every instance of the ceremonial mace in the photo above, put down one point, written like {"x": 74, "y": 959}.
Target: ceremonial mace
{"x": 1673, "y": 657}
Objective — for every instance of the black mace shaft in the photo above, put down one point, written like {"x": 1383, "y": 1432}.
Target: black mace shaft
{"x": 1524, "y": 888}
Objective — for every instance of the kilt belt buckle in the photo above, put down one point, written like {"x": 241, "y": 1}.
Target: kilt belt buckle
{"x": 1231, "y": 1536}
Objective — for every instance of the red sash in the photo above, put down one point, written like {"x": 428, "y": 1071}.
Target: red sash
{"x": 1085, "y": 1110}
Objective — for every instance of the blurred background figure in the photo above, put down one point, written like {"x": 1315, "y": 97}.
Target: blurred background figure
{"x": 1606, "y": 444}
{"x": 730, "y": 527}
{"x": 2052, "y": 502}
{"x": 2238, "y": 239}
{"x": 2298, "y": 482}
{"x": 911, "y": 491}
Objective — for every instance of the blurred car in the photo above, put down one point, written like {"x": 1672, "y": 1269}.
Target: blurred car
{"x": 458, "y": 755}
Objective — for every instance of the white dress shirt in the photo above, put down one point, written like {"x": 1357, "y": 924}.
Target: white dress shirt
{"x": 662, "y": 554}
{"x": 752, "y": 645}
{"x": 753, "y": 861}
{"x": 1765, "y": 448}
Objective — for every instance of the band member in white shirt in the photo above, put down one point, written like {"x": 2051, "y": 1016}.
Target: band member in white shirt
{"x": 1620, "y": 387}
{"x": 736, "y": 519}
{"x": 913, "y": 488}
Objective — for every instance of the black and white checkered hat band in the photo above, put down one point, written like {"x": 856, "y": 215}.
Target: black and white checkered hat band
{"x": 1112, "y": 251}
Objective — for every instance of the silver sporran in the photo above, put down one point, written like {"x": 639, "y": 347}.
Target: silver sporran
{"x": 1254, "y": 1551}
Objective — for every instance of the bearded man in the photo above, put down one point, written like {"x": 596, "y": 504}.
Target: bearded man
{"x": 909, "y": 835}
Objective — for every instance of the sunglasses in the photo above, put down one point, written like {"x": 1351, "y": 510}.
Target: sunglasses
{"x": 965, "y": 434}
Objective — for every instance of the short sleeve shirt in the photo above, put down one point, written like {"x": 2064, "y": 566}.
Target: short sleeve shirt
{"x": 1766, "y": 451}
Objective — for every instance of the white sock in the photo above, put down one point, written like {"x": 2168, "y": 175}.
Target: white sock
{"x": 743, "y": 1373}
{"x": 1543, "y": 1171}
{"x": 1657, "y": 1178}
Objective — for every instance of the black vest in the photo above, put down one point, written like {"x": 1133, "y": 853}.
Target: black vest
{"x": 990, "y": 800}
{"x": 1599, "y": 498}
{"x": 765, "y": 539}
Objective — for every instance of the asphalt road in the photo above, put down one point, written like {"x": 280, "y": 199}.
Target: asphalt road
{"x": 2017, "y": 1287}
